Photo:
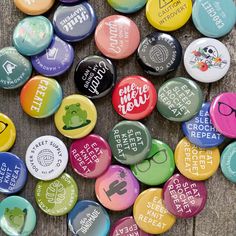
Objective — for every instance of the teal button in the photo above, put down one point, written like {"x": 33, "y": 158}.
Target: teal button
{"x": 214, "y": 18}
{"x": 17, "y": 216}
{"x": 33, "y": 35}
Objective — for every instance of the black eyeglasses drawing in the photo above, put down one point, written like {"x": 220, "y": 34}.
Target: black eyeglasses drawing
{"x": 225, "y": 109}
{"x": 3, "y": 126}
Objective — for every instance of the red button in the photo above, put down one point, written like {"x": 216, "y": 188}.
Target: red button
{"x": 134, "y": 97}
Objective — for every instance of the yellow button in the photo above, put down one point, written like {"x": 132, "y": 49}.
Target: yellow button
{"x": 168, "y": 15}
{"x": 76, "y": 117}
{"x": 150, "y": 213}
{"x": 34, "y": 7}
{"x": 196, "y": 163}
{"x": 7, "y": 133}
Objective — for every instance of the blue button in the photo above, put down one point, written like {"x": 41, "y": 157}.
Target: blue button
{"x": 74, "y": 23}
{"x": 214, "y": 18}
{"x": 13, "y": 173}
{"x": 200, "y": 131}
{"x": 89, "y": 218}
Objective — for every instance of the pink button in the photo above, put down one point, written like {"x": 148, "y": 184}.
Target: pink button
{"x": 117, "y": 36}
{"x": 223, "y": 114}
{"x": 90, "y": 156}
{"x": 117, "y": 188}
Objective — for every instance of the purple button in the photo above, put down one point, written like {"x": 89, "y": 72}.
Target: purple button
{"x": 90, "y": 156}
{"x": 184, "y": 198}
{"x": 70, "y": 1}
{"x": 55, "y": 60}
{"x": 223, "y": 114}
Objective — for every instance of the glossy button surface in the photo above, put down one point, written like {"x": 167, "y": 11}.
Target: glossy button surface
{"x": 223, "y": 114}
{"x": 196, "y": 163}
{"x": 184, "y": 198}
{"x": 32, "y": 35}
{"x": 41, "y": 97}
{"x": 130, "y": 142}
{"x": 88, "y": 211}
{"x": 117, "y": 37}
{"x": 207, "y": 60}
{"x": 168, "y": 15}
{"x": 76, "y": 117}
{"x": 95, "y": 76}
{"x": 57, "y": 197}
{"x": 15, "y": 69}
{"x": 117, "y": 185}
{"x": 158, "y": 166}
{"x": 179, "y": 99}
{"x": 134, "y": 97}
{"x": 150, "y": 213}
{"x": 159, "y": 53}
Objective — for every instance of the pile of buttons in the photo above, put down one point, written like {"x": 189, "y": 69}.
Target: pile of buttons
{"x": 45, "y": 46}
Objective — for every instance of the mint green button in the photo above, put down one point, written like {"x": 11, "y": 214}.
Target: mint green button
{"x": 158, "y": 167}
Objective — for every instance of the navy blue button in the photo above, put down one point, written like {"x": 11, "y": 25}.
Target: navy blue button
{"x": 13, "y": 173}
{"x": 200, "y": 131}
{"x": 88, "y": 218}
{"x": 74, "y": 23}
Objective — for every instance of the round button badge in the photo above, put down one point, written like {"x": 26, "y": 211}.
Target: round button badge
{"x": 130, "y": 142}
{"x": 117, "y": 37}
{"x": 179, "y": 99}
{"x": 70, "y": 1}
{"x": 194, "y": 162}
{"x": 184, "y": 198}
{"x": 95, "y": 76}
{"x": 15, "y": 69}
{"x": 207, "y": 60}
{"x": 134, "y": 97}
{"x": 57, "y": 197}
{"x": 159, "y": 53}
{"x": 32, "y": 35}
{"x": 90, "y": 156}
{"x": 41, "y": 97}
{"x": 76, "y": 117}
{"x": 117, "y": 185}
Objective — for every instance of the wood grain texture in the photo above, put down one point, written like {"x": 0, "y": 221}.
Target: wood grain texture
{"x": 219, "y": 216}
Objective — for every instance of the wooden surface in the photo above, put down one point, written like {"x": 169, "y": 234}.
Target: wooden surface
{"x": 219, "y": 216}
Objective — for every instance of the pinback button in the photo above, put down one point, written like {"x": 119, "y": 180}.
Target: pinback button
{"x": 41, "y": 97}
{"x": 134, "y": 97}
{"x": 200, "y": 131}
{"x": 57, "y": 197}
{"x": 55, "y": 60}
{"x": 148, "y": 205}
{"x": 32, "y": 35}
{"x": 184, "y": 198}
{"x": 158, "y": 166}
{"x": 179, "y": 99}
{"x": 130, "y": 142}
{"x": 194, "y": 162}
{"x": 17, "y": 216}
{"x": 92, "y": 212}
{"x": 74, "y": 23}
{"x": 228, "y": 162}
{"x": 223, "y": 114}
{"x": 7, "y": 133}
{"x": 95, "y": 76}
{"x": 168, "y": 15}
{"x": 121, "y": 30}
{"x": 13, "y": 173}
{"x": 214, "y": 18}
{"x": 117, "y": 185}
{"x": 70, "y": 1}
{"x": 207, "y": 60}
{"x": 46, "y": 157}
{"x": 15, "y": 69}
{"x": 159, "y": 53}
{"x": 90, "y": 156}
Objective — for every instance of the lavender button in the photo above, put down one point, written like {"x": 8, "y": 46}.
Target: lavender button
{"x": 70, "y": 1}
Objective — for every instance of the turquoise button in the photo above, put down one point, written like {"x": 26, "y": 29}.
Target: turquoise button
{"x": 214, "y": 18}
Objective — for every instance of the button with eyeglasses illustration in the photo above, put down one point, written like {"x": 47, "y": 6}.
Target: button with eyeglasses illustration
{"x": 3, "y": 126}
{"x": 225, "y": 109}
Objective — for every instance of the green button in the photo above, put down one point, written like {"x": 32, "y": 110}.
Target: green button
{"x": 57, "y": 197}
{"x": 179, "y": 99}
{"x": 158, "y": 167}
